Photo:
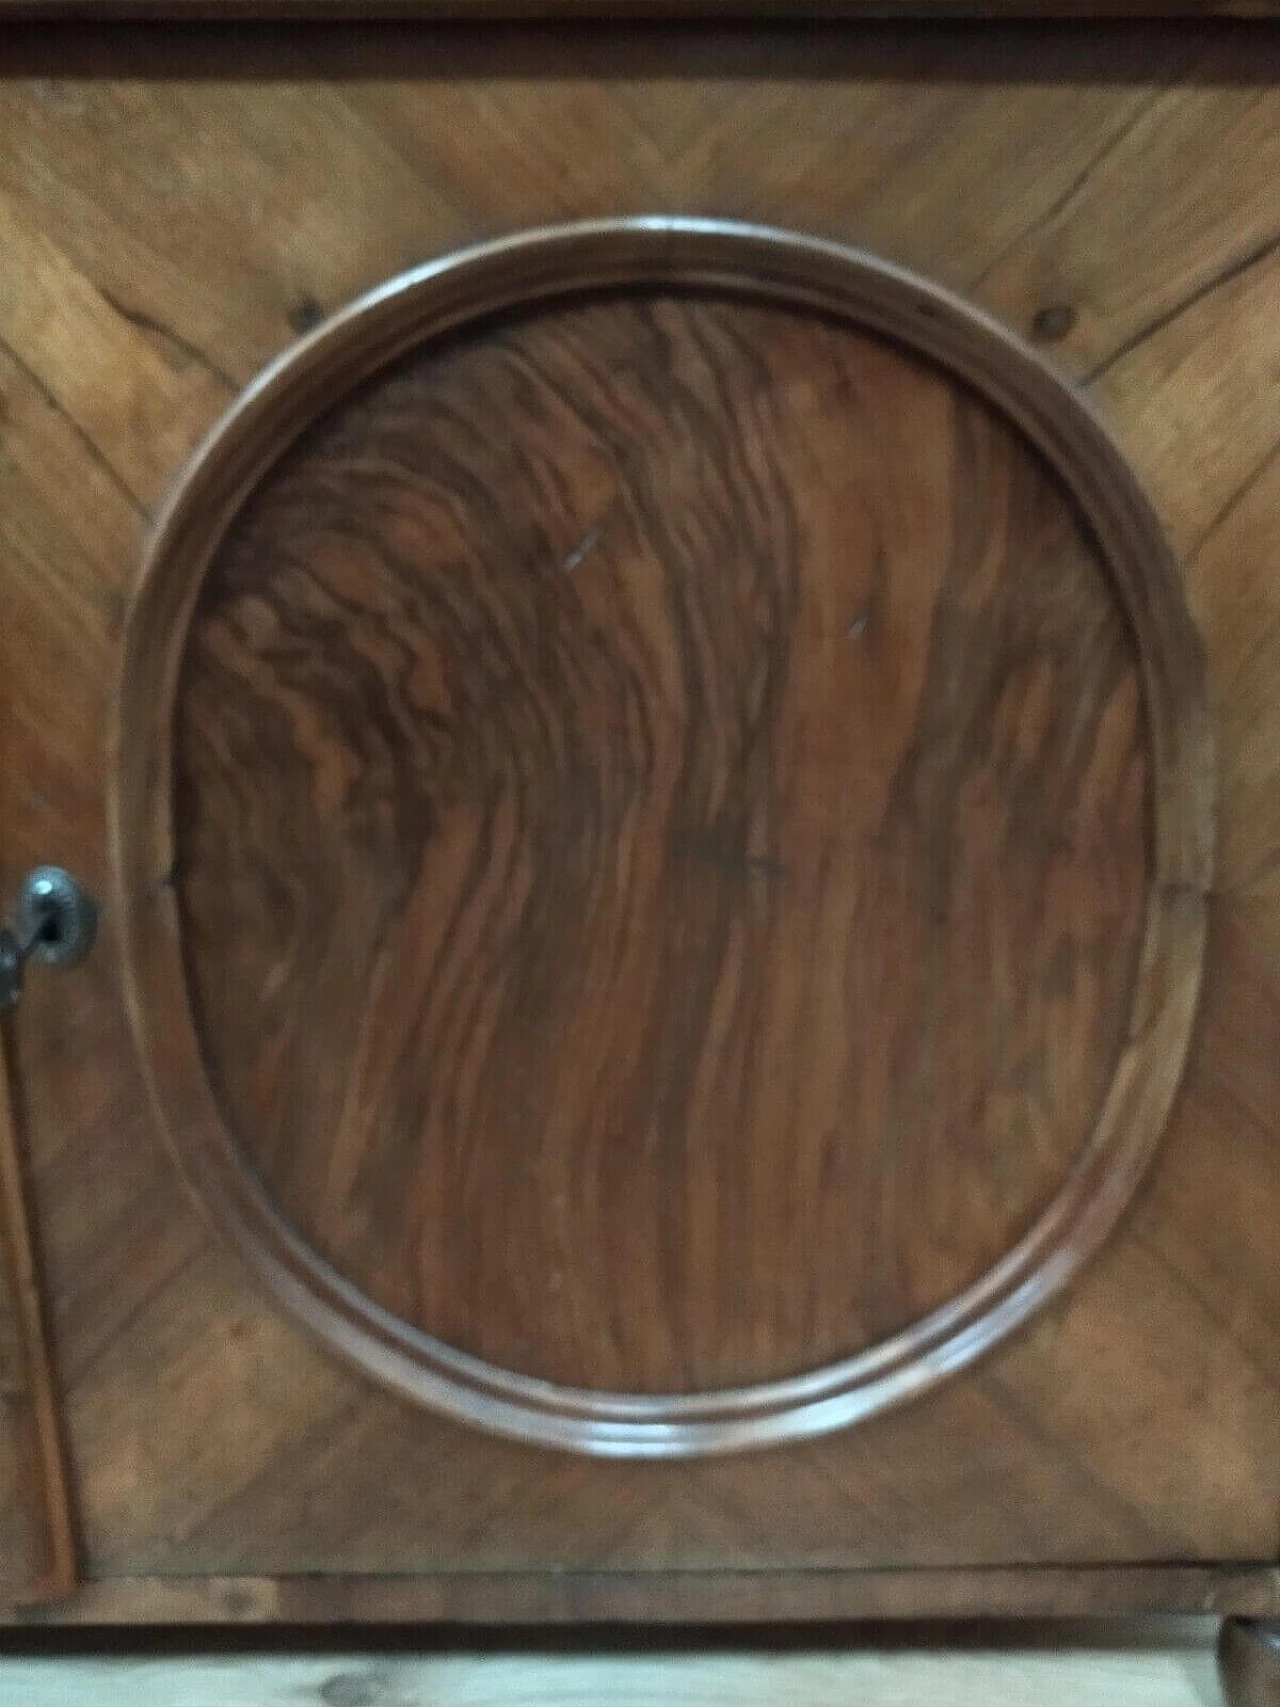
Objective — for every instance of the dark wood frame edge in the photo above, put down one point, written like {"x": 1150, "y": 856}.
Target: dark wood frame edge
{"x": 654, "y": 11}
{"x": 723, "y": 1597}
{"x": 34, "y": 1404}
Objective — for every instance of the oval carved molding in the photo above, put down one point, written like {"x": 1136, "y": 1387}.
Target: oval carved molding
{"x": 166, "y": 751}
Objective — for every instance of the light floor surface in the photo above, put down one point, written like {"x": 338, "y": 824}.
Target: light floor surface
{"x": 1172, "y": 1667}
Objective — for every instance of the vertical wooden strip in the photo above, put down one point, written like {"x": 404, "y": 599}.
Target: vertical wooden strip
{"x": 37, "y": 1402}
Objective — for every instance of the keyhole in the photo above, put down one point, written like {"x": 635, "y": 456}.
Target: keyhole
{"x": 56, "y": 918}
{"x": 50, "y": 928}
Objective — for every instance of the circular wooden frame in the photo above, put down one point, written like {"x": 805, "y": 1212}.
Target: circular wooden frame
{"x": 781, "y": 267}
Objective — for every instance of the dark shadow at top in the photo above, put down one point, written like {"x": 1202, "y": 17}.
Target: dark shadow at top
{"x": 1195, "y": 51}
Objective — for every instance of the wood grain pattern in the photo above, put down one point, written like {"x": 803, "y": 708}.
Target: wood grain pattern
{"x": 19, "y": 1521}
{"x": 726, "y": 1598}
{"x": 177, "y": 203}
{"x": 662, "y": 810}
{"x": 41, "y": 1474}
{"x": 700, "y": 743}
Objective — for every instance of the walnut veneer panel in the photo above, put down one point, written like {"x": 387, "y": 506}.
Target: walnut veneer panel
{"x": 172, "y": 206}
{"x": 618, "y": 941}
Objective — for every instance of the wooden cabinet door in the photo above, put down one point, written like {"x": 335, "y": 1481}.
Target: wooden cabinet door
{"x": 656, "y": 846}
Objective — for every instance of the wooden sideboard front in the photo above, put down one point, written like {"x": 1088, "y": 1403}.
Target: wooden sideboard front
{"x": 179, "y": 204}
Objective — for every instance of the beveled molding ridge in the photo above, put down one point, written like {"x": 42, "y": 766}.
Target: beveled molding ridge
{"x": 751, "y": 261}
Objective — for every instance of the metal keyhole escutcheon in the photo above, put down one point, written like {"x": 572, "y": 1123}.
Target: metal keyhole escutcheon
{"x": 55, "y": 921}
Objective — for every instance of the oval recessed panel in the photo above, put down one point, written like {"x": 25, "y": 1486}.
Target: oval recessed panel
{"x": 662, "y": 824}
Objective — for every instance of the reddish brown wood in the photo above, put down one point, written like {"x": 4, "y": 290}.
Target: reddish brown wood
{"x": 725, "y": 1597}
{"x": 697, "y": 860}
{"x": 631, "y": 617}
{"x": 41, "y": 1463}
{"x": 175, "y": 204}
